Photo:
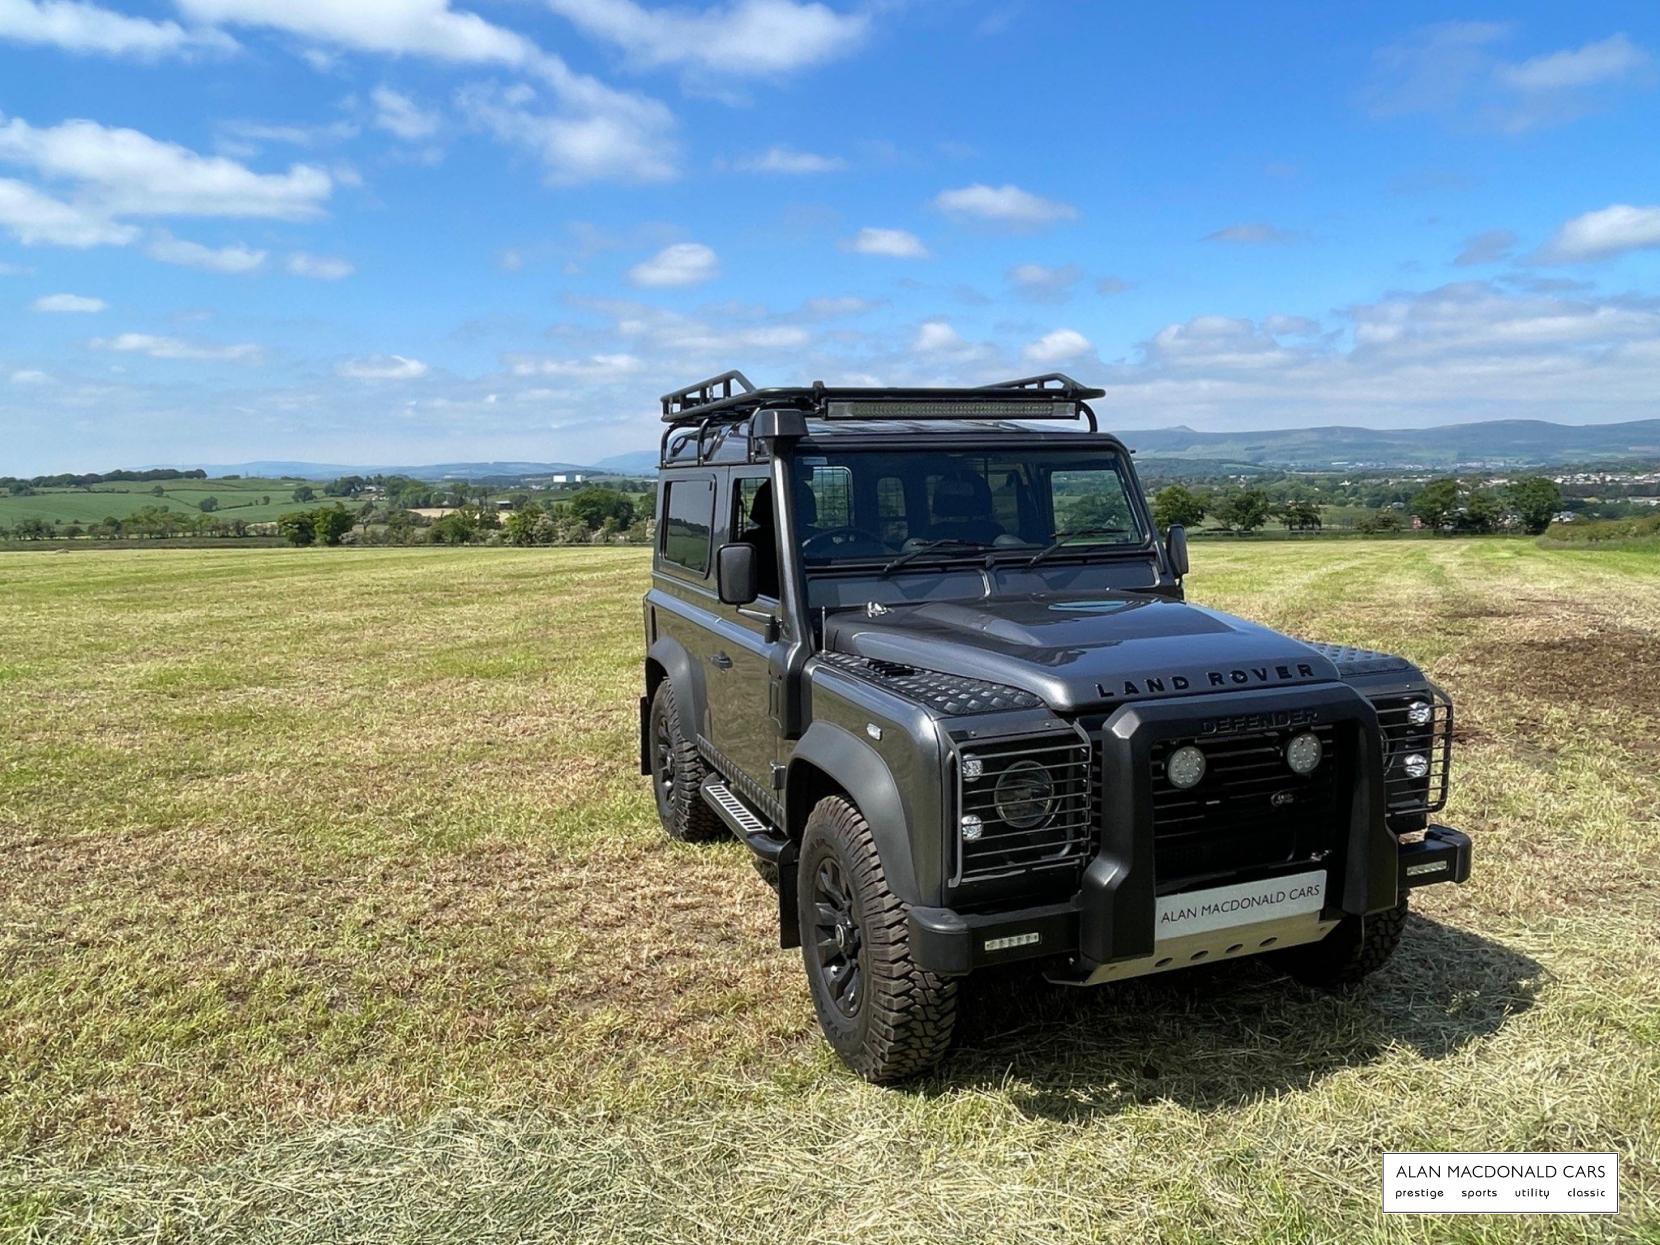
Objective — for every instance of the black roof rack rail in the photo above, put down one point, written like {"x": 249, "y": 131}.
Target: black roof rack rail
{"x": 696, "y": 399}
{"x": 731, "y": 396}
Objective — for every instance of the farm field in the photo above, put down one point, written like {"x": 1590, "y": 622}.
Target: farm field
{"x": 238, "y": 499}
{"x": 332, "y": 907}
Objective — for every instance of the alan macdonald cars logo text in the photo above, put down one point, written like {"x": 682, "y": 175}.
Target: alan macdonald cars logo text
{"x": 1270, "y": 896}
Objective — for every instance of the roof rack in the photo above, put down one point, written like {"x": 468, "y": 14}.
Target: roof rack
{"x": 731, "y": 396}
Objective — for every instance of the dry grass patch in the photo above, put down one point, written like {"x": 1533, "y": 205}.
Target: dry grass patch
{"x": 332, "y": 908}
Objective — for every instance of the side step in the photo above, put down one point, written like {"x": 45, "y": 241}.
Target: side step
{"x": 742, "y": 821}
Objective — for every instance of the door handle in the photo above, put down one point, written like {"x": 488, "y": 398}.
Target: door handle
{"x": 722, "y": 660}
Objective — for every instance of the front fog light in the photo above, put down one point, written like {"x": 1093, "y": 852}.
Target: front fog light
{"x": 1303, "y": 753}
{"x": 973, "y": 767}
{"x": 1416, "y": 765}
{"x": 972, "y": 826}
{"x": 1185, "y": 767}
{"x": 1419, "y": 713}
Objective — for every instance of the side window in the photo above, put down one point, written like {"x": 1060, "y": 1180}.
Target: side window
{"x": 688, "y": 523}
{"x": 743, "y": 503}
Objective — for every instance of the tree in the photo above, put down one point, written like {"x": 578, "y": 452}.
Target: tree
{"x": 158, "y": 491}
{"x": 305, "y": 493}
{"x": 1436, "y": 504}
{"x": 1481, "y": 512}
{"x": 525, "y": 527}
{"x": 1177, "y": 504}
{"x": 1246, "y": 510}
{"x": 456, "y": 528}
{"x": 1380, "y": 521}
{"x": 1537, "y": 500}
{"x": 298, "y": 527}
{"x": 331, "y": 523}
{"x": 595, "y": 504}
{"x": 1300, "y": 516}
{"x": 208, "y": 505}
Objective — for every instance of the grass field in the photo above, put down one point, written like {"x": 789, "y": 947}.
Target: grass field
{"x": 238, "y": 499}
{"x": 332, "y": 908}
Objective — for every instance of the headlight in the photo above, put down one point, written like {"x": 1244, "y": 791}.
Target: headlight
{"x": 972, "y": 827}
{"x": 1185, "y": 767}
{"x": 1025, "y": 795}
{"x": 1415, "y": 764}
{"x": 1303, "y": 753}
{"x": 1420, "y": 713}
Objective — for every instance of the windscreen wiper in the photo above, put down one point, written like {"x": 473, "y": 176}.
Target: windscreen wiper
{"x": 928, "y": 547}
{"x": 1062, "y": 537}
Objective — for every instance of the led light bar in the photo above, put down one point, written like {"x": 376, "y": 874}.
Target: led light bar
{"x": 1013, "y": 940}
{"x": 979, "y": 408}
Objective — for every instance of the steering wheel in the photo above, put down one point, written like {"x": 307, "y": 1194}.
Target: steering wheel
{"x": 843, "y": 540}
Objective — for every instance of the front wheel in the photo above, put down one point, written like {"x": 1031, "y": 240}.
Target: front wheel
{"x": 1358, "y": 947}
{"x": 887, "y": 1018}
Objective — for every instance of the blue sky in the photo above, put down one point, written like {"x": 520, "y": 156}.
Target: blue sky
{"x": 422, "y": 230}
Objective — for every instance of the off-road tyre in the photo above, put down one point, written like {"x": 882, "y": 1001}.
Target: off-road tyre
{"x": 1358, "y": 947}
{"x": 901, "y": 1020}
{"x": 677, "y": 773}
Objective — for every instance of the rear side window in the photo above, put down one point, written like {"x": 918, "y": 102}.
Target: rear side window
{"x": 688, "y": 523}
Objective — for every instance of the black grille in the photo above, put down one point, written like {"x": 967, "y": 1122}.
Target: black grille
{"x": 1402, "y": 740}
{"x": 1032, "y": 799}
{"x": 1249, "y": 810}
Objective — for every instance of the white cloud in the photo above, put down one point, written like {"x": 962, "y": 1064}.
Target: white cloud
{"x": 36, "y": 218}
{"x": 784, "y": 160}
{"x": 893, "y": 243}
{"x": 401, "y": 116}
{"x": 232, "y": 260}
{"x": 831, "y": 308}
{"x": 1042, "y": 283}
{"x": 1454, "y": 69}
{"x": 1253, "y": 233}
{"x": 593, "y": 368}
{"x": 1486, "y": 248}
{"x": 754, "y": 37}
{"x": 937, "y": 337}
{"x": 30, "y": 376}
{"x": 1108, "y": 286}
{"x": 684, "y": 263}
{"x": 73, "y": 26}
{"x": 319, "y": 267}
{"x": 1008, "y": 205}
{"x": 69, "y": 303}
{"x": 383, "y": 367}
{"x": 122, "y": 172}
{"x": 1059, "y": 346}
{"x": 176, "y": 348}
{"x": 616, "y": 142}
{"x": 1605, "y": 233}
{"x": 410, "y": 27}
{"x": 1608, "y": 60}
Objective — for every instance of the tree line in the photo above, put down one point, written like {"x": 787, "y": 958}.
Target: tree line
{"x": 1445, "y": 505}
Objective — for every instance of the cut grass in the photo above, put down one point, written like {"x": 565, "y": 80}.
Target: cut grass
{"x": 331, "y": 908}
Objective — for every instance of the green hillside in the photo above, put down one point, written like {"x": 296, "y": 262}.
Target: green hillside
{"x": 238, "y": 499}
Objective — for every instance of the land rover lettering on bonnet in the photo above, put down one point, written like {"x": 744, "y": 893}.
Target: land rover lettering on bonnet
{"x": 925, "y": 654}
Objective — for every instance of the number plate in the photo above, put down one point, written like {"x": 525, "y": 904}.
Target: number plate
{"x": 1245, "y": 903}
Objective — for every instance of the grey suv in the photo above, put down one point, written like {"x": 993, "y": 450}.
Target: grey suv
{"x": 923, "y": 651}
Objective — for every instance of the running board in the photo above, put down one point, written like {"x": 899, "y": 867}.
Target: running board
{"x": 741, "y": 820}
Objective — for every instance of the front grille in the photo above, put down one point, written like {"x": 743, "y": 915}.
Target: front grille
{"x": 1032, "y": 799}
{"x": 1402, "y": 740}
{"x": 1249, "y": 810}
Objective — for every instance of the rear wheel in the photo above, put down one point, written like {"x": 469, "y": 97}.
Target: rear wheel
{"x": 886, "y": 1018}
{"x": 677, "y": 774}
{"x": 1358, "y": 947}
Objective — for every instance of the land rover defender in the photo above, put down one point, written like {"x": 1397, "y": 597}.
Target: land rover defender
{"x": 923, "y": 651}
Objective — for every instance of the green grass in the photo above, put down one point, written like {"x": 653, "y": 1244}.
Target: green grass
{"x": 331, "y": 908}
{"x": 238, "y": 499}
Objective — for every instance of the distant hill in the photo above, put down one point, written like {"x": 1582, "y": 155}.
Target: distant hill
{"x": 1502, "y": 443}
{"x": 1494, "y": 443}
{"x": 432, "y": 471}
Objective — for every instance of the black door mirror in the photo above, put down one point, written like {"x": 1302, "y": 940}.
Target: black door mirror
{"x": 735, "y": 574}
{"x": 1175, "y": 549}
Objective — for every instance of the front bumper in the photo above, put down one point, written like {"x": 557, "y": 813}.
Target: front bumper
{"x": 951, "y": 943}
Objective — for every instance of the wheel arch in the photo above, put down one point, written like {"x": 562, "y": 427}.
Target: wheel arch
{"x": 830, "y": 760}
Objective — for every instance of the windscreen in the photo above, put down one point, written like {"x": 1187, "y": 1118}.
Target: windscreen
{"x": 871, "y": 505}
